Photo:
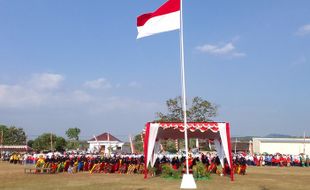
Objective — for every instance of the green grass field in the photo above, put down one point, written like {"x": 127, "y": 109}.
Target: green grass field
{"x": 261, "y": 178}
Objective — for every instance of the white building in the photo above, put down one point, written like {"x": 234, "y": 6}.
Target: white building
{"x": 292, "y": 146}
{"x": 104, "y": 143}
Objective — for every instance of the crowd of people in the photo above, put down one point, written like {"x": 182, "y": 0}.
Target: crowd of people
{"x": 92, "y": 164}
{"x": 134, "y": 163}
{"x": 282, "y": 160}
{"x": 122, "y": 163}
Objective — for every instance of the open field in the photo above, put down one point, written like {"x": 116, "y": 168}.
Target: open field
{"x": 260, "y": 178}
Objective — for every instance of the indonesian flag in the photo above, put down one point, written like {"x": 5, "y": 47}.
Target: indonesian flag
{"x": 165, "y": 18}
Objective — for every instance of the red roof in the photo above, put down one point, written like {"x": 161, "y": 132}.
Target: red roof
{"x": 105, "y": 137}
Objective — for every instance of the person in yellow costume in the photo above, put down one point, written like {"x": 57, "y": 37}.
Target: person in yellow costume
{"x": 75, "y": 166}
{"x": 12, "y": 158}
{"x": 15, "y": 158}
{"x": 40, "y": 163}
{"x": 95, "y": 168}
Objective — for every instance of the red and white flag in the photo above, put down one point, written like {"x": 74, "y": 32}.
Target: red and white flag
{"x": 165, "y": 18}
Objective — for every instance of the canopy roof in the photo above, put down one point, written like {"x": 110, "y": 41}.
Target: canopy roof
{"x": 200, "y": 130}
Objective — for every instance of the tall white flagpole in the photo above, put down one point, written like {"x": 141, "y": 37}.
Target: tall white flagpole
{"x": 188, "y": 181}
{"x": 183, "y": 84}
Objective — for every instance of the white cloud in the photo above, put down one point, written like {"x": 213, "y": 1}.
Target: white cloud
{"x": 238, "y": 54}
{"x": 212, "y": 49}
{"x": 19, "y": 96}
{"x": 81, "y": 96}
{"x": 54, "y": 109}
{"x": 41, "y": 91}
{"x": 134, "y": 84}
{"x": 100, "y": 83}
{"x": 34, "y": 92}
{"x": 303, "y": 30}
{"x": 227, "y": 49}
{"x": 46, "y": 81}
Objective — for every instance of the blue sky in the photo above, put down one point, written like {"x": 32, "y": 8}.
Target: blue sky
{"x": 77, "y": 63}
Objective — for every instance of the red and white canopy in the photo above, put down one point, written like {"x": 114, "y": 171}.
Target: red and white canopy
{"x": 217, "y": 131}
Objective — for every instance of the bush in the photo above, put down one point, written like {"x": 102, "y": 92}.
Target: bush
{"x": 199, "y": 171}
{"x": 169, "y": 172}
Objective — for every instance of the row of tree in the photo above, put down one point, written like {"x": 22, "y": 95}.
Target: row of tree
{"x": 12, "y": 135}
{"x": 47, "y": 141}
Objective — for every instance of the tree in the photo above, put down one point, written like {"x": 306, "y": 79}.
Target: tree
{"x": 60, "y": 143}
{"x": 30, "y": 143}
{"x": 200, "y": 110}
{"x": 138, "y": 144}
{"x": 73, "y": 133}
{"x": 3, "y": 130}
{"x": 43, "y": 142}
{"x": 12, "y": 135}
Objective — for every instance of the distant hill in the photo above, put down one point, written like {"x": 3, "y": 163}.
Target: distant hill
{"x": 275, "y": 135}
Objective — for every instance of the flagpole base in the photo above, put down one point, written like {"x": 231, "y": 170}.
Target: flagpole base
{"x": 188, "y": 182}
